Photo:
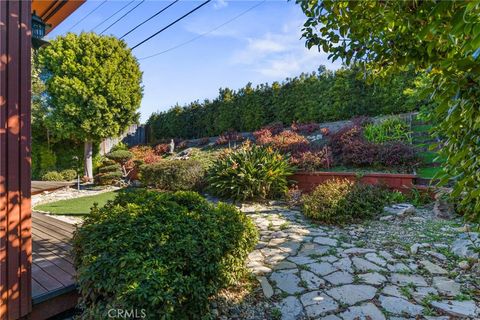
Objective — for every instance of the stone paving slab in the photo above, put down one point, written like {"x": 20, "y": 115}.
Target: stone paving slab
{"x": 318, "y": 272}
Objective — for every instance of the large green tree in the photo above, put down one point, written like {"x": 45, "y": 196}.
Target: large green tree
{"x": 440, "y": 38}
{"x": 93, "y": 88}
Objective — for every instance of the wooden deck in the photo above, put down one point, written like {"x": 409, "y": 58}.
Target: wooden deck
{"x": 40, "y": 186}
{"x": 53, "y": 285}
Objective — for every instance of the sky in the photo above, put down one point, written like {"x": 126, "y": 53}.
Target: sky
{"x": 262, "y": 43}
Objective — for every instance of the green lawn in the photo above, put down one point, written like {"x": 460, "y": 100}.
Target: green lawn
{"x": 428, "y": 172}
{"x": 77, "y": 206}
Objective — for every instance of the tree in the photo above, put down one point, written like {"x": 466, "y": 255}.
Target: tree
{"x": 441, "y": 38}
{"x": 93, "y": 86}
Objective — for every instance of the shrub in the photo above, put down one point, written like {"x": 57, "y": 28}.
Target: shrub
{"x": 108, "y": 178}
{"x": 119, "y": 146}
{"x": 360, "y": 153}
{"x": 251, "y": 172}
{"x": 391, "y": 129}
{"x": 110, "y": 168}
{"x": 173, "y": 175}
{"x": 167, "y": 253}
{"x": 343, "y": 201}
{"x": 305, "y": 128}
{"x": 343, "y": 136}
{"x": 398, "y": 154}
{"x": 228, "y": 137}
{"x": 145, "y": 154}
{"x": 161, "y": 149}
{"x": 69, "y": 174}
{"x": 203, "y": 141}
{"x": 120, "y": 156}
{"x": 52, "y": 176}
{"x": 313, "y": 160}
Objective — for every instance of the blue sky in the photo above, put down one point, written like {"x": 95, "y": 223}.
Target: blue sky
{"x": 261, "y": 46}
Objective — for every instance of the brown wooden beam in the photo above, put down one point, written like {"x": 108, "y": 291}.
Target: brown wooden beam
{"x": 15, "y": 109}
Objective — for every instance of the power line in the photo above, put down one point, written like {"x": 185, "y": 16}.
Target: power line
{"x": 203, "y": 34}
{"x": 98, "y": 25}
{"x": 126, "y": 13}
{"x": 171, "y": 24}
{"x": 88, "y": 14}
{"x": 156, "y": 14}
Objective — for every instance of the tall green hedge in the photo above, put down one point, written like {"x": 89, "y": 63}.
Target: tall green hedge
{"x": 319, "y": 96}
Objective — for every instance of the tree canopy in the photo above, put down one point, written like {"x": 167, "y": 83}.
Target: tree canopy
{"x": 93, "y": 85}
{"x": 93, "y": 88}
{"x": 441, "y": 38}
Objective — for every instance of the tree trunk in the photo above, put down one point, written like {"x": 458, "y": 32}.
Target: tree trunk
{"x": 87, "y": 156}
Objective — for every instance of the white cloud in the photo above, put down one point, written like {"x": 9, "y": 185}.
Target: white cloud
{"x": 218, "y": 4}
{"x": 280, "y": 55}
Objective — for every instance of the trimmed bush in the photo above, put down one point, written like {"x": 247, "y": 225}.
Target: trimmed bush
{"x": 167, "y": 253}
{"x": 52, "y": 176}
{"x": 110, "y": 168}
{"x": 343, "y": 201}
{"x": 108, "y": 178}
{"x": 250, "y": 172}
{"x": 120, "y": 156}
{"x": 69, "y": 174}
{"x": 173, "y": 175}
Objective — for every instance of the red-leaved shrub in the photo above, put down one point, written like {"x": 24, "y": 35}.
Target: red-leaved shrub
{"x": 358, "y": 152}
{"x": 227, "y": 137}
{"x": 342, "y": 137}
{"x": 397, "y": 154}
{"x": 161, "y": 149}
{"x": 290, "y": 142}
{"x": 305, "y": 127}
{"x": 312, "y": 160}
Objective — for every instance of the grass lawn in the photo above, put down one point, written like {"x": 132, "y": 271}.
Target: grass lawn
{"x": 77, "y": 206}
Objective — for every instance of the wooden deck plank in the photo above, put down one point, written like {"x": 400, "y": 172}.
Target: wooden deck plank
{"x": 54, "y": 229}
{"x": 45, "y": 237}
{"x": 62, "y": 261}
{"x": 41, "y": 186}
{"x": 53, "y": 274}
{"x": 43, "y": 278}
{"x": 40, "y": 217}
{"x": 37, "y": 288}
{"x": 53, "y": 270}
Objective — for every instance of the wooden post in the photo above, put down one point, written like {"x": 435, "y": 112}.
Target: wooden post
{"x": 15, "y": 211}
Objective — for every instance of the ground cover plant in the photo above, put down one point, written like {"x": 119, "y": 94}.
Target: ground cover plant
{"x": 167, "y": 253}
{"x": 249, "y": 172}
{"x": 77, "y": 206}
{"x": 343, "y": 201}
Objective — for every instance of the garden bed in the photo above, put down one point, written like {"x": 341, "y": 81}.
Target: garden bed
{"x": 307, "y": 181}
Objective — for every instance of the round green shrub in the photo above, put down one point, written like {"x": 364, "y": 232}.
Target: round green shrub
{"x": 120, "y": 156}
{"x": 343, "y": 201}
{"x": 167, "y": 253}
{"x": 110, "y": 168}
{"x": 69, "y": 174}
{"x": 108, "y": 178}
{"x": 52, "y": 176}
{"x": 250, "y": 172}
{"x": 173, "y": 175}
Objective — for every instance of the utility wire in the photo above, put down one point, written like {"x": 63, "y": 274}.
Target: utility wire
{"x": 145, "y": 21}
{"x": 171, "y": 24}
{"x": 98, "y": 25}
{"x": 88, "y": 14}
{"x": 203, "y": 34}
{"x": 126, "y": 13}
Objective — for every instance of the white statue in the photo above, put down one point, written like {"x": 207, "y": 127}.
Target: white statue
{"x": 172, "y": 146}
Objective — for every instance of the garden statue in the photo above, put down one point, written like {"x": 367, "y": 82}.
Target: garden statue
{"x": 172, "y": 146}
